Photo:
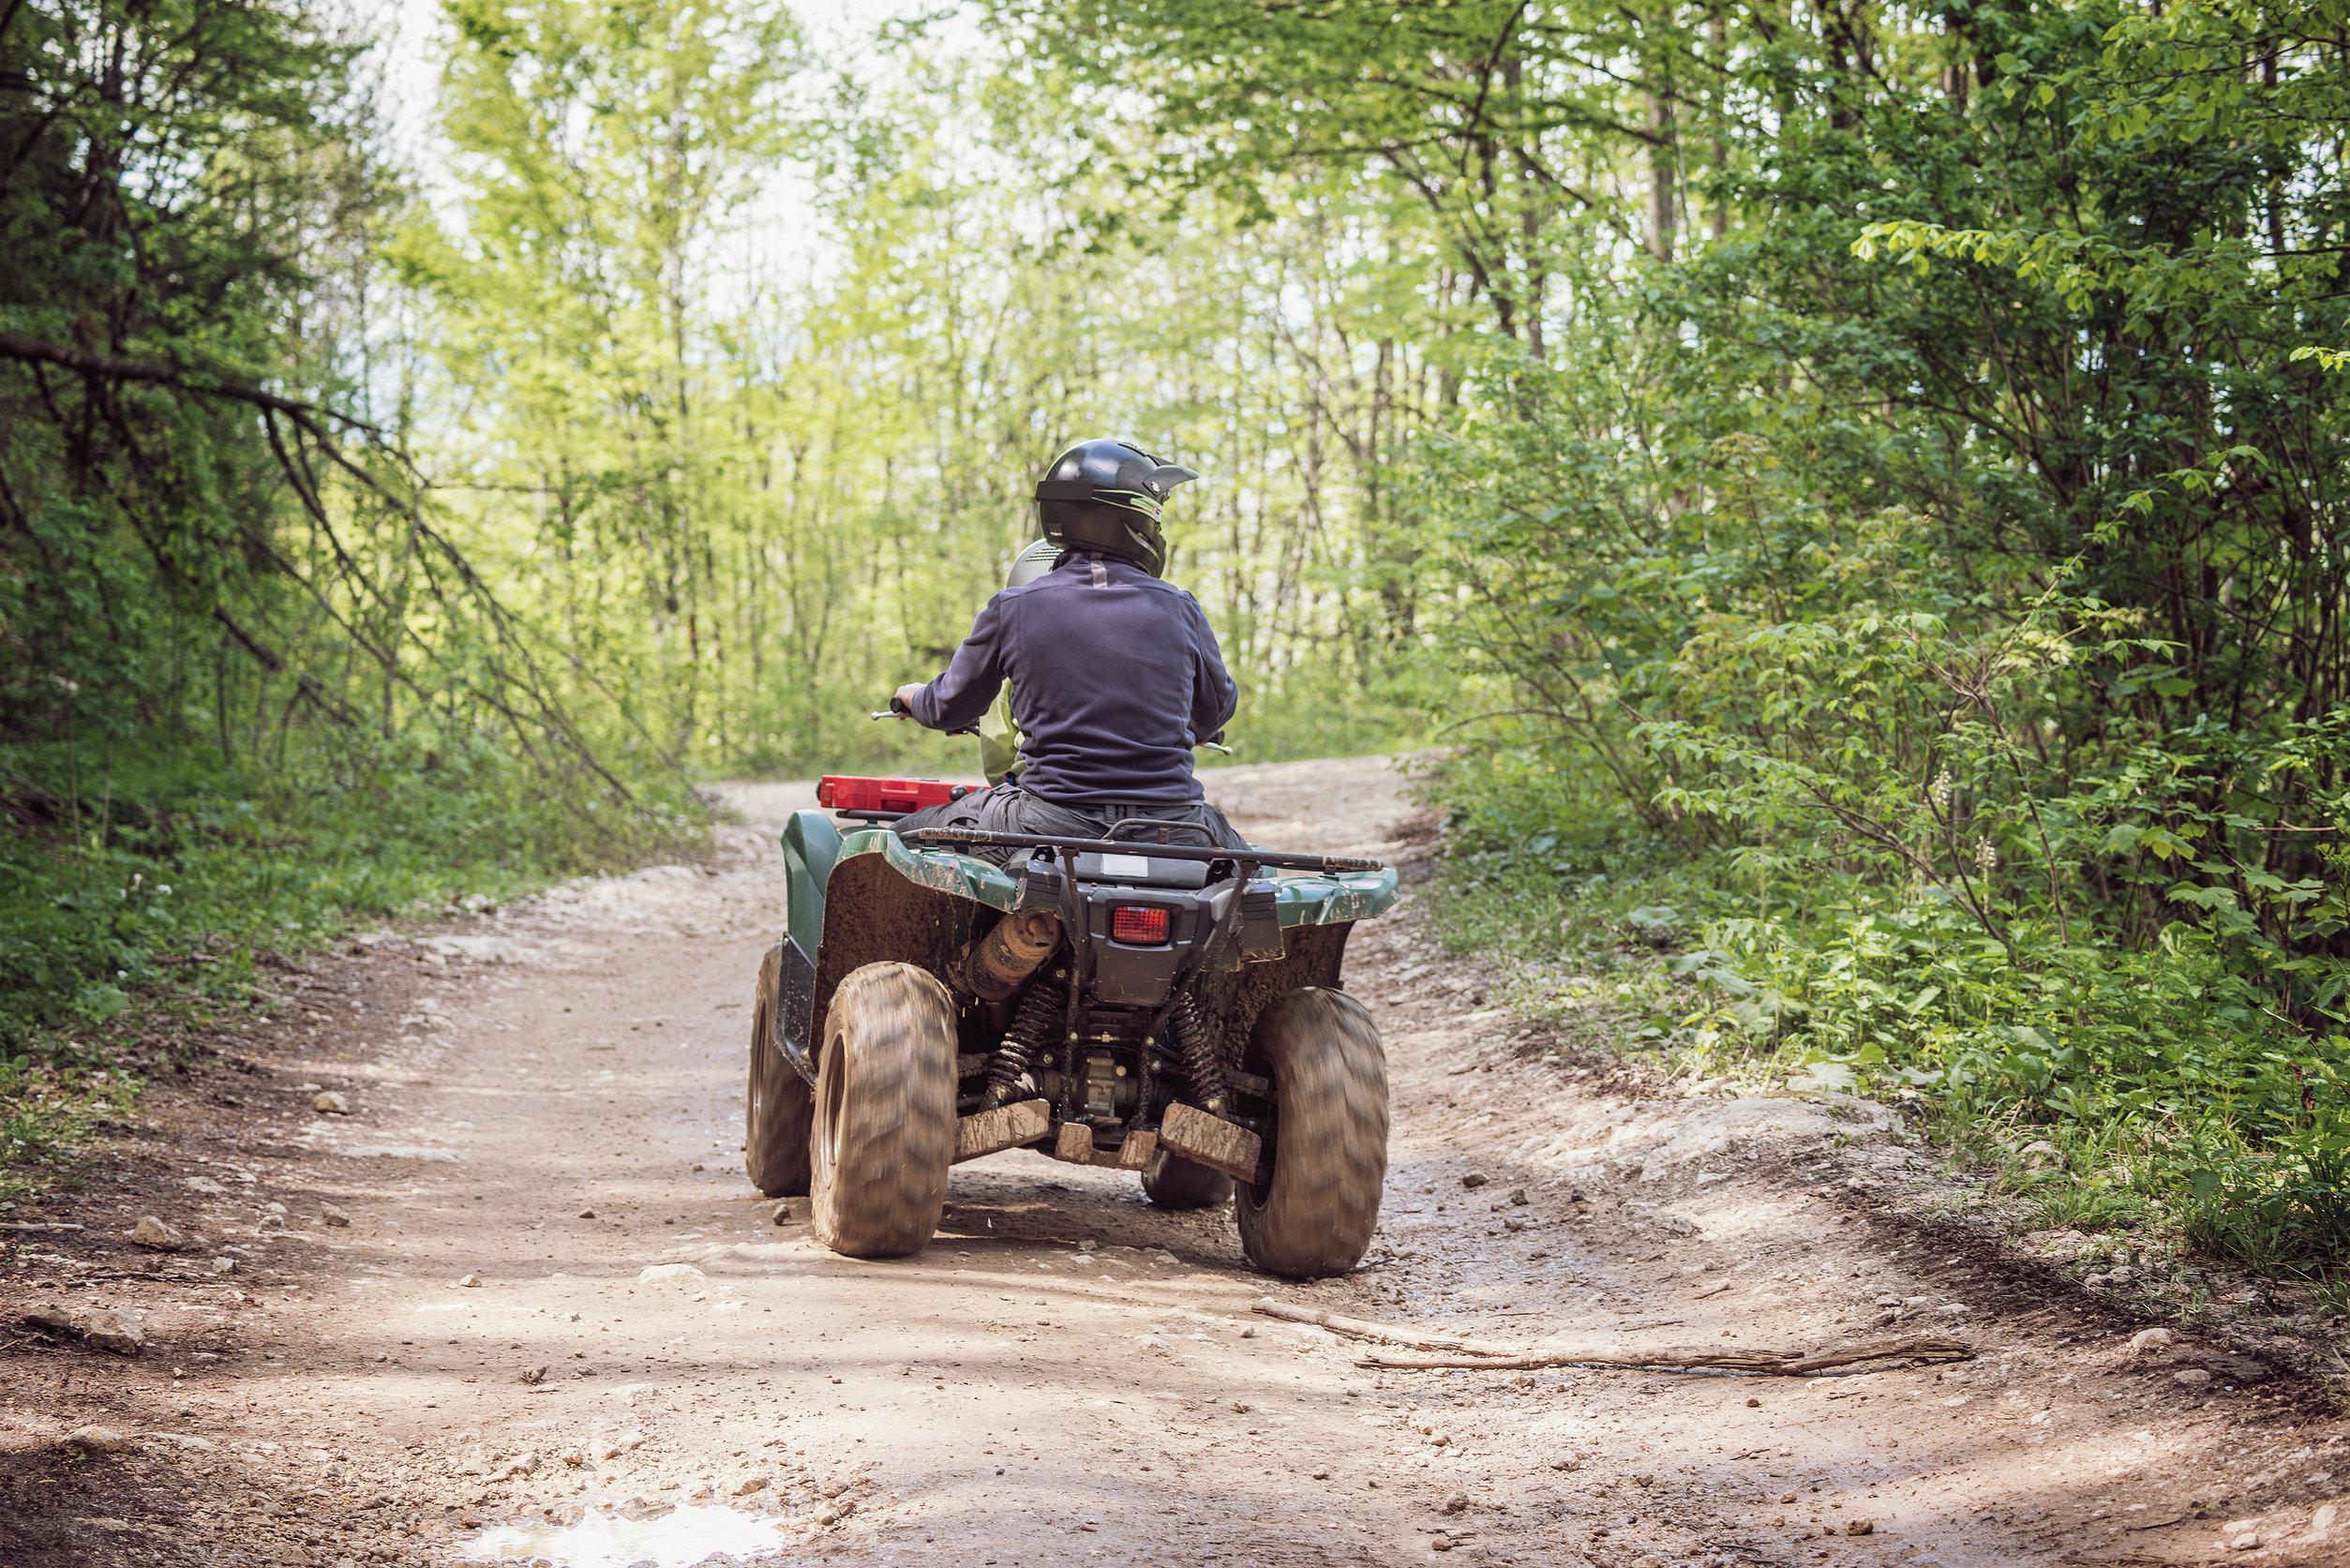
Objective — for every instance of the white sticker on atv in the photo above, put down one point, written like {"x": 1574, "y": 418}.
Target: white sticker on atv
{"x": 1136, "y": 866}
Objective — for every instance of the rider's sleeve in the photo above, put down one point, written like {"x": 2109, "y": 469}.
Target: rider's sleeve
{"x": 957, "y": 699}
{"x": 1213, "y": 695}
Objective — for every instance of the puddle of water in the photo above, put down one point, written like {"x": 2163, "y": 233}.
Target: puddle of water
{"x": 678, "y": 1539}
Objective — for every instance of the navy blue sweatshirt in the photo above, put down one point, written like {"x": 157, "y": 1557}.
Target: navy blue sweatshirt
{"x": 1114, "y": 676}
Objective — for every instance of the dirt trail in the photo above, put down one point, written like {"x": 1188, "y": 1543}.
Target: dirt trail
{"x": 545, "y": 1289}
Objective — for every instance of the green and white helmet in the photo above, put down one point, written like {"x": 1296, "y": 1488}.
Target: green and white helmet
{"x": 1106, "y": 494}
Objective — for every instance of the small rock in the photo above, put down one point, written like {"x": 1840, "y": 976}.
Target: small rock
{"x": 2192, "y": 1377}
{"x": 1860, "y": 1527}
{"x": 100, "y": 1440}
{"x": 1442, "y": 1542}
{"x": 586, "y": 1214}
{"x": 612, "y": 1447}
{"x": 656, "y": 1273}
{"x": 104, "y": 1328}
{"x": 331, "y": 1104}
{"x": 2239, "y": 1369}
{"x": 336, "y": 1218}
{"x": 2148, "y": 1341}
{"x": 2321, "y": 1523}
{"x": 2040, "y": 1155}
{"x": 470, "y": 1282}
{"x": 748, "y": 1485}
{"x": 154, "y": 1235}
{"x": 2248, "y": 1541}
{"x": 1518, "y": 1197}
{"x": 1457, "y": 1503}
{"x": 1475, "y": 1179}
{"x": 534, "y": 1375}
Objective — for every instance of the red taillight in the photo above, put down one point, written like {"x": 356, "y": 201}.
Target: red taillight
{"x": 843, "y": 792}
{"x": 1143, "y": 924}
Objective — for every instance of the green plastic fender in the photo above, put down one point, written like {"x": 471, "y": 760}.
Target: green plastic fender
{"x": 813, "y": 846}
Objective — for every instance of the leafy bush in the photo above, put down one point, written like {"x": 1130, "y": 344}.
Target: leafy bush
{"x": 159, "y": 882}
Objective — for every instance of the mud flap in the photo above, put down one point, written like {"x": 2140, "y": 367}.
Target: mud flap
{"x": 1075, "y": 1145}
{"x": 1212, "y": 1141}
{"x": 1006, "y": 1126}
{"x": 795, "y": 1008}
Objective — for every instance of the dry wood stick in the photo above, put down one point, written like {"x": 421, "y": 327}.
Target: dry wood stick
{"x": 1363, "y": 1328}
{"x": 1459, "y": 1351}
{"x": 37, "y": 1227}
{"x": 1776, "y": 1364}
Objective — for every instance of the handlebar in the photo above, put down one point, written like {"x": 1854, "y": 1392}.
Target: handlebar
{"x": 894, "y": 711}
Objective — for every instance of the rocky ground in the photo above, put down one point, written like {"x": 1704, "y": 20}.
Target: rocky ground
{"x": 459, "y": 1263}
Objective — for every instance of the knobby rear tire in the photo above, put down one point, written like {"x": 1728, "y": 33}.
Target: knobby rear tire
{"x": 778, "y": 1106}
{"x": 1329, "y": 1146}
{"x": 1173, "y": 1182}
{"x": 885, "y": 1113}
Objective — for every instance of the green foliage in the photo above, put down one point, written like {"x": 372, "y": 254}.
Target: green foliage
{"x": 159, "y": 892}
{"x": 2167, "y": 1085}
{"x": 1916, "y": 525}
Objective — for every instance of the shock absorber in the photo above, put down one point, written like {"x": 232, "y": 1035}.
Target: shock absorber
{"x": 1037, "y": 1019}
{"x": 1202, "y": 1062}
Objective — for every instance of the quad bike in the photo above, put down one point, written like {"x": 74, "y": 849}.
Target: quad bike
{"x": 1147, "y": 1002}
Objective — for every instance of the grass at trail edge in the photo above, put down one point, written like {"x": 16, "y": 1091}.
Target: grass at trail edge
{"x": 139, "y": 892}
{"x": 2142, "y": 1096}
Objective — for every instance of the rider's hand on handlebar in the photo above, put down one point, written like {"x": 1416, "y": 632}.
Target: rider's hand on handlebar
{"x": 902, "y": 701}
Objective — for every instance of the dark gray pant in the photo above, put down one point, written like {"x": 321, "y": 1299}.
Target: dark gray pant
{"x": 1009, "y": 809}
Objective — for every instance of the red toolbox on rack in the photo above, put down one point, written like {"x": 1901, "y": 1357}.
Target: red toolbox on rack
{"x": 842, "y": 792}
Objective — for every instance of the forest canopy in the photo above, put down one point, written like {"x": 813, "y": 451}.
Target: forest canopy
{"x": 1858, "y": 491}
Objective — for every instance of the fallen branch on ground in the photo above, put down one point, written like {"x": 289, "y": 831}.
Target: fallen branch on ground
{"x": 1477, "y": 1355}
{"x": 1363, "y": 1328}
{"x": 37, "y": 1227}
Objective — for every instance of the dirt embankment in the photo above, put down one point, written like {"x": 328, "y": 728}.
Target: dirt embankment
{"x": 512, "y": 1297}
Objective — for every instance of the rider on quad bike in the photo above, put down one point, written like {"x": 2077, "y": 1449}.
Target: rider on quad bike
{"x": 1086, "y": 961}
{"x": 1115, "y": 674}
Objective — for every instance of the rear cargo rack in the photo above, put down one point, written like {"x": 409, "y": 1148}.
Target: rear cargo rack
{"x": 949, "y": 838}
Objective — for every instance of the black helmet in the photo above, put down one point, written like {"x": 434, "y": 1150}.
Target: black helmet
{"x": 1105, "y": 495}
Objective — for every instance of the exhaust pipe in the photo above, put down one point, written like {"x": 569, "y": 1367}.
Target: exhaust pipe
{"x": 1014, "y": 949}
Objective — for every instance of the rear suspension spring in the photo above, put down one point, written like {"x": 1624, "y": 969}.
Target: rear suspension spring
{"x": 1038, "y": 1021}
{"x": 1202, "y": 1062}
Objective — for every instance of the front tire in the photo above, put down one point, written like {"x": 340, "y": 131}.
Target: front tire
{"x": 778, "y": 1107}
{"x": 1329, "y": 1142}
{"x": 1173, "y": 1182}
{"x": 885, "y": 1113}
